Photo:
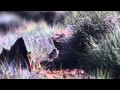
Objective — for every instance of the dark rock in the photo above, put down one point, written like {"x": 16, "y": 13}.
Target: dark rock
{"x": 4, "y": 56}
{"x": 17, "y": 55}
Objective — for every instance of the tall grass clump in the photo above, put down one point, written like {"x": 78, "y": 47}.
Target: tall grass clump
{"x": 93, "y": 23}
{"x": 90, "y": 24}
{"x": 100, "y": 73}
{"x": 106, "y": 54}
{"x": 95, "y": 39}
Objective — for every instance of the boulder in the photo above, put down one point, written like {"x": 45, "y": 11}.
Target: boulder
{"x": 17, "y": 55}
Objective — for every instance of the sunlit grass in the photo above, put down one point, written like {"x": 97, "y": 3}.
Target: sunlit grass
{"x": 100, "y": 74}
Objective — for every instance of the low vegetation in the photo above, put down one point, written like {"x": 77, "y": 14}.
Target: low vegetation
{"x": 89, "y": 48}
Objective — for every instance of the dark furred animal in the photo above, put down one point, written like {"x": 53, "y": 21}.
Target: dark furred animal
{"x": 59, "y": 41}
{"x": 53, "y": 55}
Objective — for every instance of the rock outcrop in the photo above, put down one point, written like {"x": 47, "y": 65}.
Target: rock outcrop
{"x": 17, "y": 55}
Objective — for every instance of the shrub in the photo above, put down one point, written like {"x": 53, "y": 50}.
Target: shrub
{"x": 90, "y": 24}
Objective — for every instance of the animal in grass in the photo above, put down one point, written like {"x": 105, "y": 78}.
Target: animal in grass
{"x": 53, "y": 55}
{"x": 59, "y": 41}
